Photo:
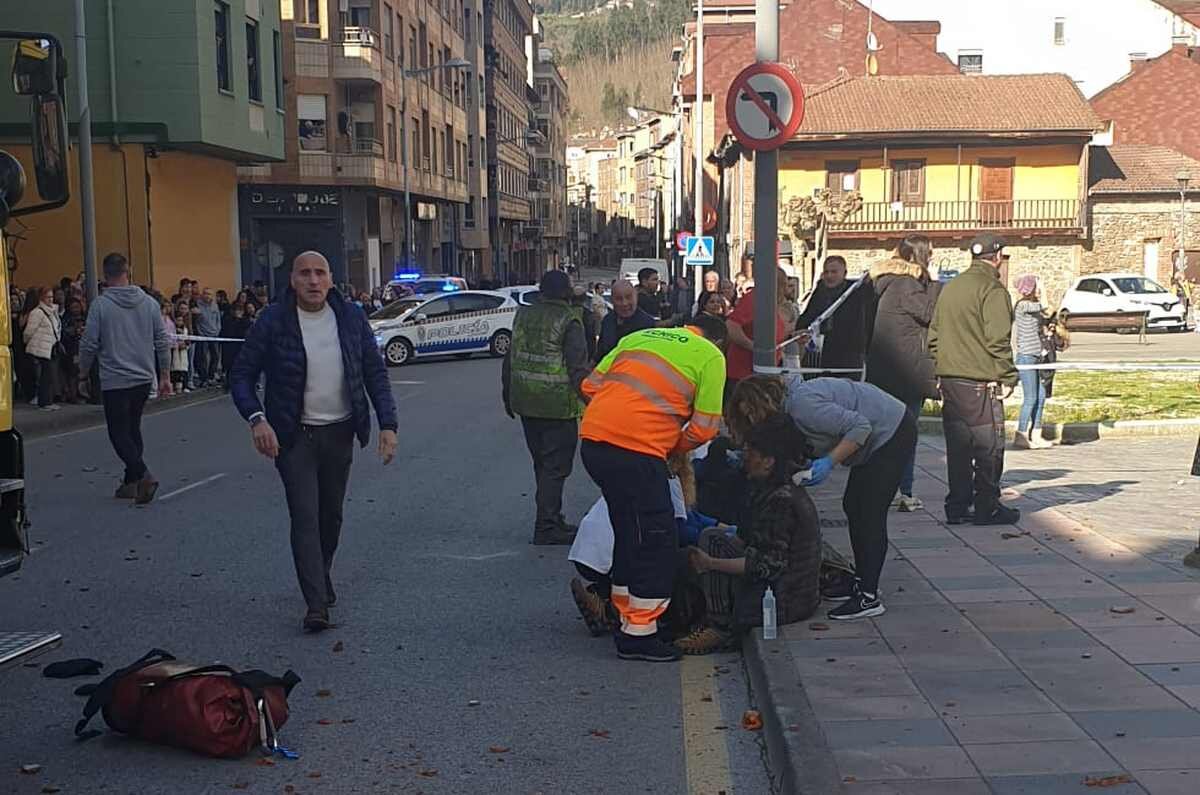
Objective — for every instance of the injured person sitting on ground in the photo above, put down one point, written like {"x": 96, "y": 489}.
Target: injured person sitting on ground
{"x": 777, "y": 544}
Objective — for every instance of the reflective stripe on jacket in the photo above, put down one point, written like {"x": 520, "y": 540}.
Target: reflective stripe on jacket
{"x": 540, "y": 383}
{"x": 658, "y": 391}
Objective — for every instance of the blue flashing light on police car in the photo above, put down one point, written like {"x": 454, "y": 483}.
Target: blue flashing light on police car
{"x": 407, "y": 276}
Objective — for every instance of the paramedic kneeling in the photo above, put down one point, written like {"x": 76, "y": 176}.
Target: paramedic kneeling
{"x": 657, "y": 392}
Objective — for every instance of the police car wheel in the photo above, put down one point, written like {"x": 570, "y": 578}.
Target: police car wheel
{"x": 501, "y": 341}
{"x": 398, "y": 352}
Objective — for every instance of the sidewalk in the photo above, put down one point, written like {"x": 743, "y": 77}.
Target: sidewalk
{"x": 32, "y": 422}
{"x": 1046, "y": 658}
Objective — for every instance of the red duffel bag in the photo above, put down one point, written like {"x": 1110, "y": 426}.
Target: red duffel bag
{"x": 212, "y": 709}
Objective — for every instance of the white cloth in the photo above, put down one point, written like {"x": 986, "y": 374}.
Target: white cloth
{"x": 593, "y": 545}
{"x": 326, "y": 394}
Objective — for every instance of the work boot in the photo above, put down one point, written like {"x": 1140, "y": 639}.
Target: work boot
{"x": 594, "y": 608}
{"x": 126, "y": 491}
{"x": 146, "y": 489}
{"x": 705, "y": 640}
{"x": 1001, "y": 515}
{"x": 1021, "y": 441}
{"x": 317, "y": 620}
{"x": 554, "y": 536}
{"x": 647, "y": 649}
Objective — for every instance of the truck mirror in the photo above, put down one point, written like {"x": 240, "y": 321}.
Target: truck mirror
{"x": 34, "y": 68}
{"x": 12, "y": 185}
{"x": 50, "y": 147}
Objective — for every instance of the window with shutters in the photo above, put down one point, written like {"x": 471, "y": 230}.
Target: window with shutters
{"x": 908, "y": 182}
{"x": 970, "y": 63}
{"x": 253, "y": 65}
{"x": 389, "y": 32}
{"x": 1060, "y": 31}
{"x": 841, "y": 176}
{"x": 221, "y": 20}
{"x": 310, "y": 110}
{"x": 391, "y": 134}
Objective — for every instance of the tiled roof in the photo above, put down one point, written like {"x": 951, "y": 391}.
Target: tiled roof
{"x": 1138, "y": 168}
{"x": 1188, "y": 9}
{"x": 1157, "y": 103}
{"x": 986, "y": 104}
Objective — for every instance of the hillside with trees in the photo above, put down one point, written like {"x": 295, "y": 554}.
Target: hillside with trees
{"x": 613, "y": 57}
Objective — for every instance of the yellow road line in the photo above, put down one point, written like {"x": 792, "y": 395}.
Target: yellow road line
{"x": 705, "y": 753}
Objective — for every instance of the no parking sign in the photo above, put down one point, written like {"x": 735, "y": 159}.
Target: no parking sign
{"x": 765, "y": 106}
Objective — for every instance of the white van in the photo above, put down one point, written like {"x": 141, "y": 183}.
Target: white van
{"x": 459, "y": 323}
{"x": 631, "y": 265}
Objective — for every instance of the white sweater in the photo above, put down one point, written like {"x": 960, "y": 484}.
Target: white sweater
{"x": 42, "y": 330}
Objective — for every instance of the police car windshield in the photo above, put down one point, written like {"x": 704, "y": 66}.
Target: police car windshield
{"x": 396, "y": 308}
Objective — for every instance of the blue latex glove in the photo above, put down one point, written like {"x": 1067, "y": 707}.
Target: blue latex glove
{"x": 818, "y": 472}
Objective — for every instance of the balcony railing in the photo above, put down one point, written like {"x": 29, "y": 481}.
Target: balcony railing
{"x": 363, "y": 37}
{"x": 358, "y": 57}
{"x": 368, "y": 146}
{"x": 957, "y": 216}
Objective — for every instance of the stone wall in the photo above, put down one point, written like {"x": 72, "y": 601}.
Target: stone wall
{"x": 1122, "y": 226}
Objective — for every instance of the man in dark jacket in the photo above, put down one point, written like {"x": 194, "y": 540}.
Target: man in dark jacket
{"x": 845, "y": 332}
{"x": 626, "y": 318}
{"x": 540, "y": 379}
{"x": 321, "y": 363}
{"x": 970, "y": 340}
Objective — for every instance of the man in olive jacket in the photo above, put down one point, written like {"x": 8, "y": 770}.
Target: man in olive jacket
{"x": 545, "y": 365}
{"x": 969, "y": 339}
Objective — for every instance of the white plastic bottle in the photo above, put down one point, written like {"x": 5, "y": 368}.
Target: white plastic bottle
{"x": 769, "y": 614}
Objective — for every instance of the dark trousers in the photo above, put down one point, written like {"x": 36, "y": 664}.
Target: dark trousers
{"x": 45, "y": 381}
{"x": 973, "y": 422}
{"x": 207, "y": 361}
{"x": 645, "y": 539}
{"x": 551, "y": 444}
{"x": 123, "y": 415}
{"x": 315, "y": 470}
{"x": 868, "y": 497}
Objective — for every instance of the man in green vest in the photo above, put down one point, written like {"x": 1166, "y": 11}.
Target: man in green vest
{"x": 545, "y": 365}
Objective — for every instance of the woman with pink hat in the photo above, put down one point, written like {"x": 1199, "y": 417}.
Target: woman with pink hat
{"x": 1031, "y": 348}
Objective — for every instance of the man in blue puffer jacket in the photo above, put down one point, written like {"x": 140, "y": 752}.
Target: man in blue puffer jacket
{"x": 321, "y": 363}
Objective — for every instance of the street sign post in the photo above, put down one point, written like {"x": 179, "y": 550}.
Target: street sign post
{"x": 699, "y": 252}
{"x": 765, "y": 106}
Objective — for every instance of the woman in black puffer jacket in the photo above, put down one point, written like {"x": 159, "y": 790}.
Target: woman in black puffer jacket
{"x": 898, "y": 360}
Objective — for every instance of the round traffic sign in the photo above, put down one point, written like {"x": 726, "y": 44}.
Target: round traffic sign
{"x": 681, "y": 239}
{"x": 765, "y": 106}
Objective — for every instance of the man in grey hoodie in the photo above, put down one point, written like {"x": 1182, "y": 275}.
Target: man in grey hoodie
{"x": 125, "y": 334}
{"x": 207, "y": 319}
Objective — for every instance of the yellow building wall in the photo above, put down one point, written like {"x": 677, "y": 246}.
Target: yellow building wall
{"x": 1040, "y": 172}
{"x": 191, "y": 228}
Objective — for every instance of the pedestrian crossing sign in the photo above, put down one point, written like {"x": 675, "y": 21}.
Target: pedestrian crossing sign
{"x": 699, "y": 251}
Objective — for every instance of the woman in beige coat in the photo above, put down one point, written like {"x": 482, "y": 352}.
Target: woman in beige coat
{"x": 43, "y": 332}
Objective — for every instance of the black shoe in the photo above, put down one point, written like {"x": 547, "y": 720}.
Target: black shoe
{"x": 960, "y": 518}
{"x": 556, "y": 536}
{"x": 316, "y": 621}
{"x": 861, "y": 605}
{"x": 1002, "y": 515}
{"x": 839, "y": 591}
{"x": 646, "y": 649}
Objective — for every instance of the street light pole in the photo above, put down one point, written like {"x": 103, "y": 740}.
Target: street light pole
{"x": 698, "y": 144}
{"x": 1183, "y": 178}
{"x": 87, "y": 194}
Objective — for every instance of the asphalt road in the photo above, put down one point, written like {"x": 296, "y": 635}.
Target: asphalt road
{"x": 1091, "y": 346}
{"x": 442, "y": 603}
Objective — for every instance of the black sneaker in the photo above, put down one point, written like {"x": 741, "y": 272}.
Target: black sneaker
{"x": 556, "y": 536}
{"x": 839, "y": 591}
{"x": 316, "y": 621}
{"x": 860, "y": 605}
{"x": 960, "y": 518}
{"x": 1002, "y": 515}
{"x": 646, "y": 649}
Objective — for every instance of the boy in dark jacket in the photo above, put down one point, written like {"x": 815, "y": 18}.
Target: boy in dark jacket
{"x": 234, "y": 325}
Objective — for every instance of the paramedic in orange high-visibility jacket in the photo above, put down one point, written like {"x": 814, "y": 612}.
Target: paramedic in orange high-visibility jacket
{"x": 657, "y": 392}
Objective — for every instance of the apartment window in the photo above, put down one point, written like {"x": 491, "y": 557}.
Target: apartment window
{"x": 447, "y": 74}
{"x": 391, "y": 134}
{"x": 427, "y": 148}
{"x": 970, "y": 63}
{"x": 400, "y": 43}
{"x": 416, "y": 141}
{"x": 448, "y": 149}
{"x": 310, "y": 110}
{"x": 469, "y": 214}
{"x": 253, "y": 73}
{"x": 278, "y": 42}
{"x": 1060, "y": 31}
{"x": 426, "y": 52}
{"x": 221, "y": 17}
{"x": 908, "y": 182}
{"x": 389, "y": 32}
{"x": 412, "y": 47}
{"x": 308, "y": 19}
{"x": 841, "y": 176}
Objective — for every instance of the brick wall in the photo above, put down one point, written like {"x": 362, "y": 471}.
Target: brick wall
{"x": 1121, "y": 227}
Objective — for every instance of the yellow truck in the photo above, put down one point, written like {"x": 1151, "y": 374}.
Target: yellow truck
{"x": 38, "y": 72}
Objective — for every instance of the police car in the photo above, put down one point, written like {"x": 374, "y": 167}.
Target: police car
{"x": 461, "y": 323}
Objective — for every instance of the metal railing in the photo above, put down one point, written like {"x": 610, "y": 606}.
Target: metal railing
{"x": 364, "y": 37}
{"x": 368, "y": 146}
{"x": 963, "y": 215}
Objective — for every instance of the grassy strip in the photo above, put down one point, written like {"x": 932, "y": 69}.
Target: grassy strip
{"x": 1105, "y": 397}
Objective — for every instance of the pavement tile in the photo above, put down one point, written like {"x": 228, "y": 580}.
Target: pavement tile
{"x": 885, "y": 763}
{"x": 869, "y": 708}
{"x": 1015, "y": 616}
{"x": 1072, "y": 681}
{"x": 828, "y": 630}
{"x": 1061, "y": 588}
{"x": 1140, "y": 723}
{"x": 1139, "y": 574}
{"x": 826, "y": 688}
{"x": 1159, "y": 644}
{"x": 866, "y": 665}
{"x": 1155, "y": 753}
{"x": 1038, "y": 727}
{"x": 1170, "y": 782}
{"x": 1180, "y": 586}
{"x": 837, "y": 647}
{"x": 1085, "y": 697}
{"x": 906, "y": 543}
{"x": 869, "y": 734}
{"x": 1000, "y": 692}
{"x": 1007, "y": 559}
{"x": 1091, "y": 612}
{"x": 1029, "y": 759}
{"x": 928, "y": 621}
{"x": 954, "y": 786}
{"x": 974, "y": 583}
{"x": 1188, "y": 694}
{"x": 1168, "y": 674}
{"x": 1184, "y": 608}
{"x": 1067, "y": 638}
{"x": 984, "y": 595}
{"x": 1062, "y": 784}
{"x": 1098, "y": 657}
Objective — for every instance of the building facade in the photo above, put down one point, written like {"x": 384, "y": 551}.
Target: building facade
{"x": 379, "y": 104}
{"x": 549, "y": 180}
{"x": 168, "y": 132}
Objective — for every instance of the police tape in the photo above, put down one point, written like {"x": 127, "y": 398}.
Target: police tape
{"x": 1119, "y": 367}
{"x": 193, "y": 338}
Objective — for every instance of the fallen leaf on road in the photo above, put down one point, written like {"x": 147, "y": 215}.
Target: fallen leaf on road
{"x": 29, "y": 770}
{"x": 314, "y": 774}
{"x": 427, "y": 773}
{"x": 1014, "y": 535}
{"x": 752, "y": 720}
{"x": 498, "y": 749}
{"x": 1121, "y": 610}
{"x": 602, "y": 733}
{"x": 818, "y": 627}
{"x": 324, "y": 693}
{"x": 348, "y": 720}
{"x": 240, "y": 785}
{"x": 324, "y": 722}
{"x": 1108, "y": 781}
{"x": 339, "y": 646}
{"x": 50, "y": 788}
{"x": 262, "y": 761}
{"x": 720, "y": 727}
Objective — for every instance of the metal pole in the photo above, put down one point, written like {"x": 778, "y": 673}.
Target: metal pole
{"x": 698, "y": 144}
{"x": 409, "y": 251}
{"x": 87, "y": 194}
{"x": 766, "y": 211}
{"x": 1181, "y": 259}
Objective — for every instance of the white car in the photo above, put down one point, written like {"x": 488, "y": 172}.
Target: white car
{"x": 1124, "y": 292}
{"x": 460, "y": 323}
{"x": 528, "y": 295}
